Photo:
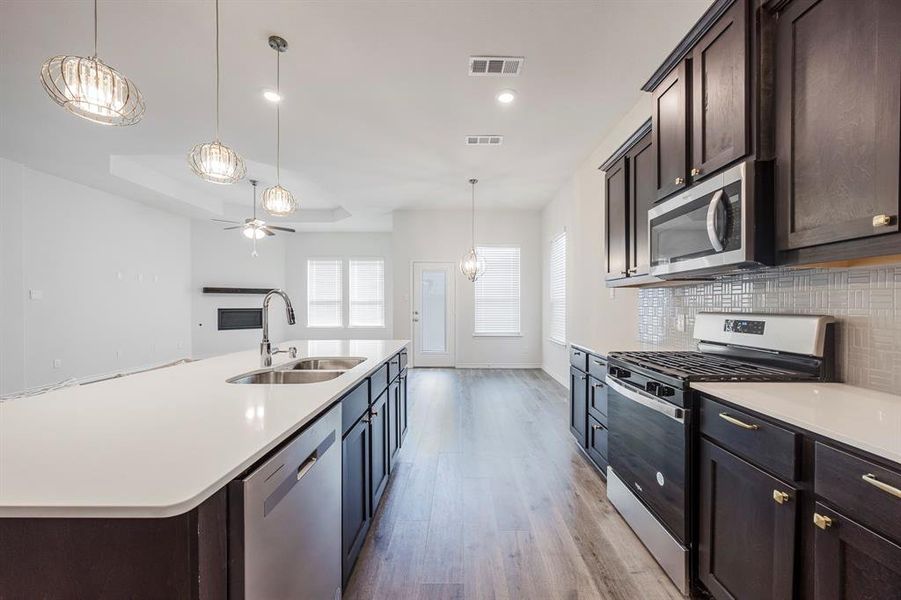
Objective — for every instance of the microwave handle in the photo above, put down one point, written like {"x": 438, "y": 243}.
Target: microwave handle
{"x": 713, "y": 221}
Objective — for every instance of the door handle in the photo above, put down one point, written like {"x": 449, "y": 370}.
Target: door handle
{"x": 416, "y": 320}
{"x": 306, "y": 466}
{"x": 713, "y": 221}
{"x": 665, "y": 408}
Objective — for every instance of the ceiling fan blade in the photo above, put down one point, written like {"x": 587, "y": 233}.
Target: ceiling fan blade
{"x": 288, "y": 229}
{"x": 224, "y": 221}
{"x": 235, "y": 227}
{"x": 267, "y": 231}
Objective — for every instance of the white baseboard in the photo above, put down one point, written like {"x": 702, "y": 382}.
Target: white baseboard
{"x": 498, "y": 366}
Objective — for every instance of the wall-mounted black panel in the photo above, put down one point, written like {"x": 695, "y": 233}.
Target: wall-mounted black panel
{"x": 235, "y": 290}
{"x": 240, "y": 318}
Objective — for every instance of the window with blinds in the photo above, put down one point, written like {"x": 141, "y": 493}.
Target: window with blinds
{"x": 497, "y": 292}
{"x": 558, "y": 289}
{"x": 325, "y": 302}
{"x": 367, "y": 293}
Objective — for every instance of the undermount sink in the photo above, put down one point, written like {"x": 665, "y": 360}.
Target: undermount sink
{"x": 324, "y": 364}
{"x": 286, "y": 377}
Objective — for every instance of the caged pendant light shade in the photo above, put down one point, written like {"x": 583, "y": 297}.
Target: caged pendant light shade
{"x": 472, "y": 265}
{"x": 278, "y": 201}
{"x": 214, "y": 161}
{"x": 89, "y": 88}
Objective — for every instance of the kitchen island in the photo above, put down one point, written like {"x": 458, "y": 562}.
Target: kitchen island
{"x": 119, "y": 488}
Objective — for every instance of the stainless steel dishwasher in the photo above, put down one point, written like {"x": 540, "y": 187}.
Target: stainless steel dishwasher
{"x": 285, "y": 520}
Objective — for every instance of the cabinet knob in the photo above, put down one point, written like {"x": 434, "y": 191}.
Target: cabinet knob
{"x": 780, "y": 497}
{"x": 821, "y": 521}
{"x": 882, "y": 221}
{"x": 695, "y": 172}
{"x": 679, "y": 180}
{"x": 596, "y": 427}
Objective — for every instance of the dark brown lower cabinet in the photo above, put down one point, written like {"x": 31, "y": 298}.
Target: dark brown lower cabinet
{"x": 851, "y": 561}
{"x": 578, "y": 405}
{"x": 355, "y": 493}
{"x": 404, "y": 408}
{"x": 394, "y": 424}
{"x": 380, "y": 418}
{"x": 746, "y": 530}
{"x": 597, "y": 443}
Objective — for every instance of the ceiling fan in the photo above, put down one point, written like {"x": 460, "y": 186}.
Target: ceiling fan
{"x": 253, "y": 228}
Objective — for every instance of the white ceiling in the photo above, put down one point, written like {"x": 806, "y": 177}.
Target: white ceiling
{"x": 377, "y": 97}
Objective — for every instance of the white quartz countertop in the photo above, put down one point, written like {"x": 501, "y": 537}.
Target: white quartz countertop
{"x": 861, "y": 418}
{"x": 159, "y": 443}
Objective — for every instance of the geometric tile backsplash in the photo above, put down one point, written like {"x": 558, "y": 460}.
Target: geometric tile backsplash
{"x": 866, "y": 303}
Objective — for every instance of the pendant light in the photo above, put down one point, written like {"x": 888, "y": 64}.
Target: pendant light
{"x": 278, "y": 201}
{"x": 91, "y": 89}
{"x": 472, "y": 265}
{"x": 214, "y": 161}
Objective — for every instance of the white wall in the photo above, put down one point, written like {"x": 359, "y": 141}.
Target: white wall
{"x": 442, "y": 235}
{"x": 223, "y": 259}
{"x": 596, "y": 317}
{"x": 113, "y": 276}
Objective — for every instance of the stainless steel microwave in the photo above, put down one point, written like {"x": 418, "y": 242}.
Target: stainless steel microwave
{"x": 722, "y": 224}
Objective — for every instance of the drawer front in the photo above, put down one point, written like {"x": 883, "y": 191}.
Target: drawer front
{"x": 760, "y": 442}
{"x": 597, "y": 366}
{"x": 393, "y": 367}
{"x": 867, "y": 492}
{"x": 379, "y": 382}
{"x": 353, "y": 405}
{"x": 597, "y": 400}
{"x": 578, "y": 358}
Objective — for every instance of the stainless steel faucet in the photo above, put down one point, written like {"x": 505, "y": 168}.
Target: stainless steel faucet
{"x": 266, "y": 349}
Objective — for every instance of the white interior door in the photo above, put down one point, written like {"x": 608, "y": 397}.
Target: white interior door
{"x": 433, "y": 314}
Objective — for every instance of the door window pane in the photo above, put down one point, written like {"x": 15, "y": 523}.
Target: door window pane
{"x": 432, "y": 321}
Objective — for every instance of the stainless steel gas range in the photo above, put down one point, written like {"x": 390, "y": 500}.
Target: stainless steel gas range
{"x": 651, "y": 408}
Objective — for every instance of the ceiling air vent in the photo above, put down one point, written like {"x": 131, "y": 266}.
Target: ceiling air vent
{"x": 484, "y": 140}
{"x": 495, "y": 66}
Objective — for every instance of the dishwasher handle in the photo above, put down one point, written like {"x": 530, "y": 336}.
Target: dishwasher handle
{"x": 300, "y": 471}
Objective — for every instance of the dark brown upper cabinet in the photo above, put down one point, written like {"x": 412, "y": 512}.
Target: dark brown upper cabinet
{"x": 616, "y": 186}
{"x": 670, "y": 127}
{"x": 642, "y": 195}
{"x": 630, "y": 192}
{"x": 720, "y": 94}
{"x": 838, "y": 126}
{"x": 701, "y": 99}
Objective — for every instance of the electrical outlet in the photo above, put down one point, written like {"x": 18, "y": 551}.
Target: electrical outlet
{"x": 680, "y": 323}
{"x": 35, "y": 294}
{"x": 57, "y": 363}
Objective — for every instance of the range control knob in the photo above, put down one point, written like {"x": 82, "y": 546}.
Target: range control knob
{"x": 652, "y": 386}
{"x": 663, "y": 391}
{"x": 620, "y": 373}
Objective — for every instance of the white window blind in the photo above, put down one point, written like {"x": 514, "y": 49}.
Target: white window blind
{"x": 367, "y": 293}
{"x": 497, "y": 292}
{"x": 325, "y": 305}
{"x": 558, "y": 289}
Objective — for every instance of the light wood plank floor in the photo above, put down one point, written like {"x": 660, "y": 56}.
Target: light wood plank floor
{"x": 490, "y": 498}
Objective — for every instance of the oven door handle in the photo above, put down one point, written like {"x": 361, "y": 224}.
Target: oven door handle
{"x": 673, "y": 412}
{"x": 713, "y": 221}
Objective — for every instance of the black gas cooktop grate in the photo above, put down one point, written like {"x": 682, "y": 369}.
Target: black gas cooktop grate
{"x": 698, "y": 366}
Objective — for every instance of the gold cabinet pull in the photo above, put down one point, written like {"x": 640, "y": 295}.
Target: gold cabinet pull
{"x": 882, "y": 220}
{"x": 821, "y": 521}
{"x": 695, "y": 172}
{"x": 780, "y": 497}
{"x": 888, "y": 489}
{"x": 734, "y": 421}
{"x": 679, "y": 180}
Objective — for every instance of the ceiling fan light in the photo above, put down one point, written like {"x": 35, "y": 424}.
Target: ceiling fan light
{"x": 252, "y": 231}
{"x": 278, "y": 201}
{"x": 217, "y": 163}
{"x": 472, "y": 265}
{"x": 92, "y": 90}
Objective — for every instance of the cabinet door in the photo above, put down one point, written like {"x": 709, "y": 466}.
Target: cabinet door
{"x": 403, "y": 408}
{"x": 720, "y": 93}
{"x": 354, "y": 493}
{"x": 851, "y": 562}
{"x": 670, "y": 128}
{"x": 746, "y": 530}
{"x": 642, "y": 196}
{"x": 394, "y": 416}
{"x": 616, "y": 186}
{"x": 838, "y": 110}
{"x": 578, "y": 405}
{"x": 380, "y": 432}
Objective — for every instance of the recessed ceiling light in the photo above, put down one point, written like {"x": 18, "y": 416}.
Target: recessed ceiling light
{"x": 506, "y": 96}
{"x": 272, "y": 96}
